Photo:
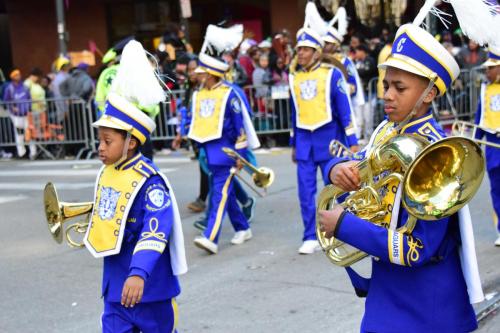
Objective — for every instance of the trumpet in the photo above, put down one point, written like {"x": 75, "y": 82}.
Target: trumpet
{"x": 57, "y": 213}
{"x": 468, "y": 130}
{"x": 262, "y": 177}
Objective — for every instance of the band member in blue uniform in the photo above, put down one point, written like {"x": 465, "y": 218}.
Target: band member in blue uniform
{"x": 135, "y": 224}
{"x": 217, "y": 122}
{"x": 488, "y": 117}
{"x": 414, "y": 275}
{"x": 320, "y": 113}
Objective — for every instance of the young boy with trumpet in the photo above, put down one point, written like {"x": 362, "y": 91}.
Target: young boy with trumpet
{"x": 424, "y": 281}
{"x": 135, "y": 223}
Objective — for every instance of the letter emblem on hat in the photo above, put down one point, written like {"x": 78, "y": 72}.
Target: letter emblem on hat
{"x": 399, "y": 48}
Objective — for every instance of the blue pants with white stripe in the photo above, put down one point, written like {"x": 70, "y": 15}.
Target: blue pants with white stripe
{"x": 151, "y": 317}
{"x": 494, "y": 175}
{"x": 307, "y": 179}
{"x": 223, "y": 198}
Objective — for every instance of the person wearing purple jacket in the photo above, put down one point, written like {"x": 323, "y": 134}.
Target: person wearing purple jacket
{"x": 17, "y": 97}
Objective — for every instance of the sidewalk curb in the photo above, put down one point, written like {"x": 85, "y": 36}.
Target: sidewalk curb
{"x": 487, "y": 307}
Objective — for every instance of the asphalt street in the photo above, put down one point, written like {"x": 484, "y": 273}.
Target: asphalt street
{"x": 263, "y": 285}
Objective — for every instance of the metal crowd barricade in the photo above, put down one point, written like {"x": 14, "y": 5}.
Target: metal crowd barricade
{"x": 270, "y": 106}
{"x": 169, "y": 117}
{"x": 458, "y": 103}
{"x": 54, "y": 126}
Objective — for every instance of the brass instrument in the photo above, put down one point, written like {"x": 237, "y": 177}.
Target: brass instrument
{"x": 338, "y": 149}
{"x": 468, "y": 130}
{"x": 262, "y": 177}
{"x": 58, "y": 212}
{"x": 437, "y": 180}
{"x": 332, "y": 59}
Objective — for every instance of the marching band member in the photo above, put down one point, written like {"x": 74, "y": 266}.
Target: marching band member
{"x": 135, "y": 224}
{"x": 320, "y": 113}
{"x": 333, "y": 40}
{"x": 488, "y": 116}
{"x": 217, "y": 122}
{"x": 428, "y": 280}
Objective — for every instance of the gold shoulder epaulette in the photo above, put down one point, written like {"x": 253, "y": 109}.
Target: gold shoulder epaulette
{"x": 144, "y": 169}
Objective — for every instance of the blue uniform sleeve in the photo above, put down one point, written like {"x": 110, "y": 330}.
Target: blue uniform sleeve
{"x": 340, "y": 104}
{"x": 479, "y": 132}
{"x": 157, "y": 225}
{"x": 395, "y": 247}
{"x": 336, "y": 160}
{"x": 235, "y": 112}
{"x": 185, "y": 121}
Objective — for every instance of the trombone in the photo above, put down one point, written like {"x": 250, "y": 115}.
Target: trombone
{"x": 58, "y": 212}
{"x": 468, "y": 130}
{"x": 338, "y": 149}
{"x": 262, "y": 177}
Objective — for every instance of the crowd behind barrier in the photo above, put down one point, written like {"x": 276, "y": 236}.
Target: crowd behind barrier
{"x": 62, "y": 127}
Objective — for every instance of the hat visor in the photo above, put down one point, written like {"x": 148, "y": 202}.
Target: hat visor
{"x": 110, "y": 122}
{"x": 400, "y": 64}
{"x": 200, "y": 70}
{"x": 490, "y": 63}
{"x": 307, "y": 43}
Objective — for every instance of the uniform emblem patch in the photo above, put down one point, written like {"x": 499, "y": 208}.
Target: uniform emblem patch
{"x": 157, "y": 197}
{"x": 235, "y": 104}
{"x": 107, "y": 203}
{"x": 495, "y": 103}
{"x": 308, "y": 89}
{"x": 207, "y": 108}
{"x": 341, "y": 86}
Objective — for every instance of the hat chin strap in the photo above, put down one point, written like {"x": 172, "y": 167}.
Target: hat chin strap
{"x": 413, "y": 111}
{"x": 125, "y": 150}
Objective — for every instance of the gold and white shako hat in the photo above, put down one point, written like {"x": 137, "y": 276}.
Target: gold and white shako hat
{"x": 211, "y": 65}
{"x": 493, "y": 56}
{"x": 135, "y": 86}
{"x": 121, "y": 114}
{"x": 333, "y": 36}
{"x": 217, "y": 41}
{"x": 309, "y": 38}
{"x": 416, "y": 51}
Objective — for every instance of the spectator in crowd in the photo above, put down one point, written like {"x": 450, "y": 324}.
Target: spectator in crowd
{"x": 62, "y": 66}
{"x": 265, "y": 46}
{"x": 3, "y": 84}
{"x": 37, "y": 120}
{"x": 249, "y": 61}
{"x": 367, "y": 69}
{"x": 280, "y": 92}
{"x": 235, "y": 74}
{"x": 79, "y": 84}
{"x": 356, "y": 40}
{"x": 471, "y": 55}
{"x": 280, "y": 49}
{"x": 262, "y": 79}
{"x": 17, "y": 97}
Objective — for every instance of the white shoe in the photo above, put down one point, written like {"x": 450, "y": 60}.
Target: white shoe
{"x": 309, "y": 247}
{"x": 497, "y": 242}
{"x": 241, "y": 237}
{"x": 206, "y": 244}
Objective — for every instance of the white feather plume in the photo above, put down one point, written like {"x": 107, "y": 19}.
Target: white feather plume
{"x": 422, "y": 14}
{"x": 476, "y": 19}
{"x": 341, "y": 18}
{"x": 314, "y": 21}
{"x": 222, "y": 39}
{"x": 136, "y": 80}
